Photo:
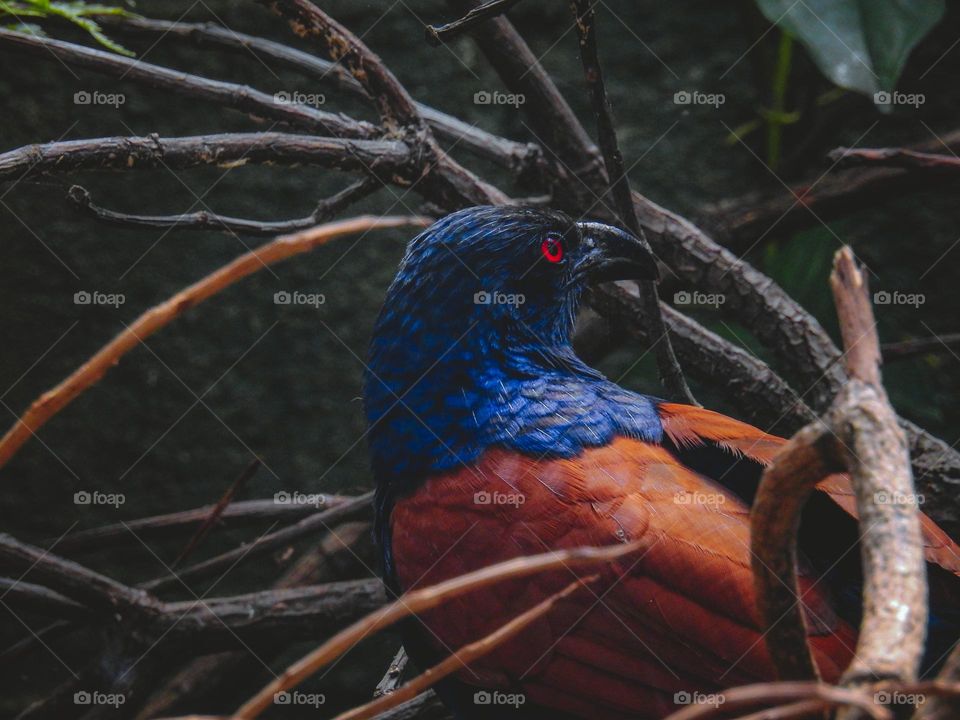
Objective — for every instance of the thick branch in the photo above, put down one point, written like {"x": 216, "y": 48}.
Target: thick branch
{"x": 387, "y": 159}
{"x": 238, "y": 97}
{"x": 860, "y": 434}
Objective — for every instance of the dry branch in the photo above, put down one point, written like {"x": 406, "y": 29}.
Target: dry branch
{"x": 858, "y": 434}
{"x": 55, "y": 399}
{"x": 418, "y": 601}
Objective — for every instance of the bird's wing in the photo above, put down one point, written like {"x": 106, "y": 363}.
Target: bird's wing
{"x": 677, "y": 617}
{"x": 688, "y": 427}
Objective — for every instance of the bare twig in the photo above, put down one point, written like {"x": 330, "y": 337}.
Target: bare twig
{"x": 671, "y": 375}
{"x": 55, "y": 399}
{"x": 418, "y": 601}
{"x": 439, "y": 34}
{"x": 204, "y": 220}
{"x": 859, "y": 434}
{"x": 461, "y": 658}
{"x": 238, "y": 97}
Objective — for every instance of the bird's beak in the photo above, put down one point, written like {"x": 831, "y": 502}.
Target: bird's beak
{"x": 608, "y": 253}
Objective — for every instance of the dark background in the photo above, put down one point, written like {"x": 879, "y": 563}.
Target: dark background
{"x": 284, "y": 382}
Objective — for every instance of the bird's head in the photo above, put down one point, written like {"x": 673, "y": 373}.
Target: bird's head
{"x": 484, "y": 297}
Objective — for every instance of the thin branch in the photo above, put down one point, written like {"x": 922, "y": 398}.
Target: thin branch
{"x": 287, "y": 246}
{"x": 356, "y": 507}
{"x": 204, "y": 220}
{"x": 385, "y": 158}
{"x": 671, "y": 375}
{"x": 895, "y": 157}
{"x": 418, "y": 601}
{"x": 238, "y": 97}
{"x": 27, "y": 597}
{"x": 858, "y": 434}
{"x": 460, "y": 659}
{"x": 439, "y": 34}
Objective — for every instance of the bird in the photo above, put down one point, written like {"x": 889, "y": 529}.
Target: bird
{"x": 490, "y": 439}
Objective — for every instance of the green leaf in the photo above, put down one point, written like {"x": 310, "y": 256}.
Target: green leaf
{"x": 79, "y": 13}
{"x": 860, "y": 45}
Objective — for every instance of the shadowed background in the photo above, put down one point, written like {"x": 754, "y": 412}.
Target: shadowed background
{"x": 177, "y": 421}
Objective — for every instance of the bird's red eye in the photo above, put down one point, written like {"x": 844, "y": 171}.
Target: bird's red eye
{"x": 552, "y": 249}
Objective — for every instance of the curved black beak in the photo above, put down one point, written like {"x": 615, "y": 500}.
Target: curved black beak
{"x": 608, "y": 253}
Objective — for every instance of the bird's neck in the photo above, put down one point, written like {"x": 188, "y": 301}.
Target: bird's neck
{"x": 439, "y": 404}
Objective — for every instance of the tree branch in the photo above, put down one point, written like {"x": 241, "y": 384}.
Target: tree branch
{"x": 388, "y": 160}
{"x": 859, "y": 434}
